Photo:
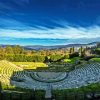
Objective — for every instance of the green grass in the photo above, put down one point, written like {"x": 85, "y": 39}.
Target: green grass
{"x": 72, "y": 60}
{"x": 30, "y": 65}
{"x": 80, "y": 92}
{"x": 95, "y": 59}
{"x": 66, "y": 60}
{"x": 98, "y": 49}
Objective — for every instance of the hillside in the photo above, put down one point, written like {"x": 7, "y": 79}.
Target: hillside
{"x": 40, "y": 47}
{"x": 7, "y": 69}
{"x": 84, "y": 75}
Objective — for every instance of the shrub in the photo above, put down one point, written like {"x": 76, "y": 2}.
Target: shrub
{"x": 55, "y": 57}
{"x": 75, "y": 54}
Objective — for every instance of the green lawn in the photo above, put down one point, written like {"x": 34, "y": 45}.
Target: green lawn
{"x": 95, "y": 59}
{"x": 30, "y": 65}
{"x": 71, "y": 60}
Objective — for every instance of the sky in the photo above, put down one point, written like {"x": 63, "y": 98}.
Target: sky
{"x": 49, "y": 22}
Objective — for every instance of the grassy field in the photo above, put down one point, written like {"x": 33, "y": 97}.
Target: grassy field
{"x": 30, "y": 65}
{"x": 95, "y": 59}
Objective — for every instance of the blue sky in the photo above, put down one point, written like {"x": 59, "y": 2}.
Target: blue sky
{"x": 49, "y": 22}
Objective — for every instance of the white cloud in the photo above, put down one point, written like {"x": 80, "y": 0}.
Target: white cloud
{"x": 68, "y": 32}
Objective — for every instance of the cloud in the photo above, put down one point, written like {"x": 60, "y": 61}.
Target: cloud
{"x": 12, "y": 5}
{"x": 68, "y": 32}
{"x": 14, "y": 31}
{"x": 12, "y": 28}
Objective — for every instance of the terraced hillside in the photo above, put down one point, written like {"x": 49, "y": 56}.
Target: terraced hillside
{"x": 7, "y": 69}
{"x": 30, "y": 65}
{"x": 84, "y": 75}
{"x": 87, "y": 74}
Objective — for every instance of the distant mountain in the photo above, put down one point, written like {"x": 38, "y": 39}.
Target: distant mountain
{"x": 4, "y": 45}
{"x": 40, "y": 47}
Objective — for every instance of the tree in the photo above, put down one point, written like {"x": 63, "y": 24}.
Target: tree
{"x": 81, "y": 51}
{"x": 97, "y": 51}
{"x": 38, "y": 58}
{"x": 70, "y": 50}
{"x": 66, "y": 56}
{"x": 18, "y": 50}
{"x": 8, "y": 50}
{"x": 98, "y": 45}
{"x": 73, "y": 49}
{"x": 0, "y": 90}
{"x": 2, "y": 53}
{"x": 55, "y": 57}
{"x": 47, "y": 58}
{"x": 75, "y": 54}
